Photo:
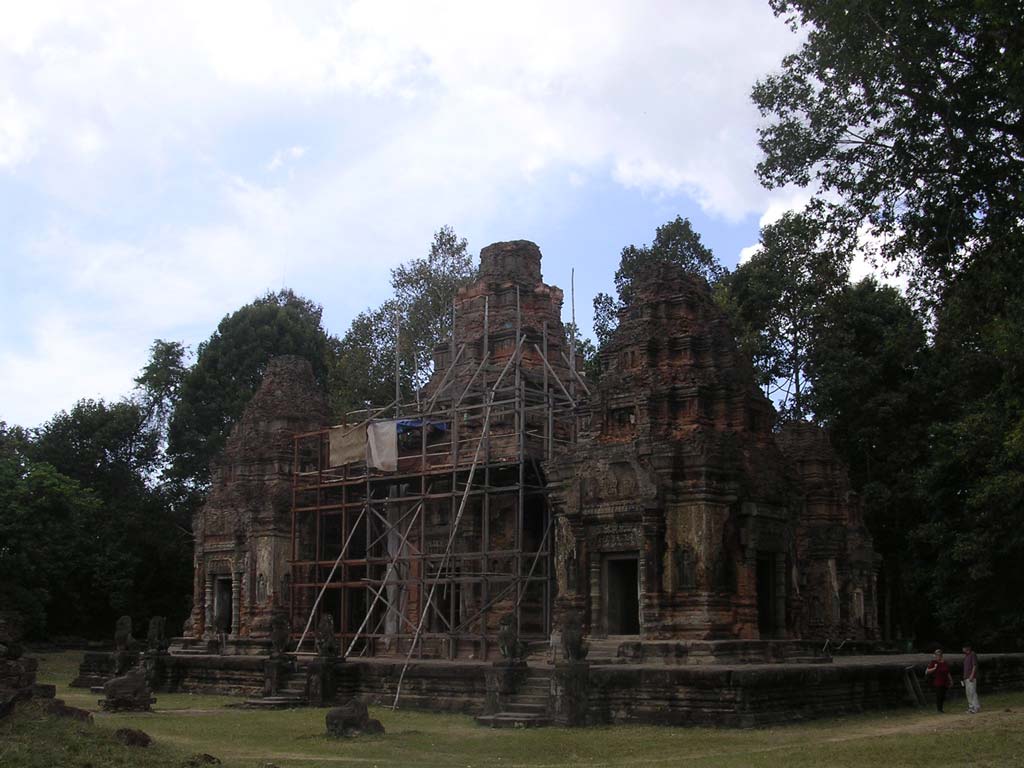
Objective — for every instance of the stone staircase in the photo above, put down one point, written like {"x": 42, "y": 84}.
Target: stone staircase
{"x": 605, "y": 650}
{"x": 291, "y": 694}
{"x": 527, "y": 707}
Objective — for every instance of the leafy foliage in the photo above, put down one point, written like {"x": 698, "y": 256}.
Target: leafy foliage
{"x": 675, "y": 242}
{"x": 88, "y": 533}
{"x": 44, "y": 518}
{"x": 229, "y": 366}
{"x": 911, "y": 114}
{"x": 364, "y": 369}
{"x": 160, "y": 381}
{"x": 423, "y": 293}
{"x": 779, "y": 298}
{"x": 973, "y": 480}
{"x": 420, "y": 314}
{"x": 865, "y": 361}
{"x": 909, "y": 118}
{"x": 585, "y": 351}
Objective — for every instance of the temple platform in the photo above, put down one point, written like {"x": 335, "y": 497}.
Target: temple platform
{"x": 743, "y": 694}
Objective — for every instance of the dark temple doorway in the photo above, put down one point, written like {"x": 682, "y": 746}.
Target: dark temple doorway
{"x": 222, "y": 608}
{"x": 622, "y": 607}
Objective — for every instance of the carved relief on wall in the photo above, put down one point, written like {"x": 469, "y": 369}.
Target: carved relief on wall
{"x": 566, "y": 557}
{"x": 261, "y": 588}
{"x": 615, "y": 538}
{"x": 684, "y": 568}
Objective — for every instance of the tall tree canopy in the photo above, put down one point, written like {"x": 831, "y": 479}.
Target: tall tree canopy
{"x": 972, "y": 479}
{"x": 160, "y": 380}
{"x": 419, "y": 313}
{"x": 912, "y": 114}
{"x": 908, "y": 117}
{"x": 675, "y": 242}
{"x": 423, "y": 293}
{"x": 865, "y": 360}
{"x": 229, "y": 366}
{"x": 87, "y": 529}
{"x": 779, "y": 299}
{"x": 45, "y": 521}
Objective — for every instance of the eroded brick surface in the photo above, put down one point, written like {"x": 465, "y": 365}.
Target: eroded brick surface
{"x": 678, "y": 466}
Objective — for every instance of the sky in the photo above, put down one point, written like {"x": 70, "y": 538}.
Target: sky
{"x": 163, "y": 164}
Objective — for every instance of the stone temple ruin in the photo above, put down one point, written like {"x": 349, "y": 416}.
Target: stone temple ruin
{"x": 657, "y": 502}
{"x": 680, "y": 515}
{"x": 243, "y": 532}
{"x": 656, "y": 516}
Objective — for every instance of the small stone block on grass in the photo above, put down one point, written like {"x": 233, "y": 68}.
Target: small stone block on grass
{"x": 351, "y": 719}
{"x": 133, "y": 737}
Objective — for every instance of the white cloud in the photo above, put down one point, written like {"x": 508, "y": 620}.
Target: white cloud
{"x": 780, "y": 203}
{"x": 15, "y": 133}
{"x": 191, "y": 155}
{"x": 65, "y": 364}
{"x": 283, "y": 156}
{"x": 863, "y": 263}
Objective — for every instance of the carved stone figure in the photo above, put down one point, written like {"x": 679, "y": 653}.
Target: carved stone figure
{"x": 280, "y": 633}
{"x": 129, "y": 692}
{"x": 573, "y": 645}
{"x": 124, "y": 645}
{"x": 326, "y": 642}
{"x": 511, "y": 647}
{"x": 123, "y": 640}
{"x": 156, "y": 641}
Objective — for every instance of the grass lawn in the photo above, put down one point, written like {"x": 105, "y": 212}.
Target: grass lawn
{"x": 184, "y": 724}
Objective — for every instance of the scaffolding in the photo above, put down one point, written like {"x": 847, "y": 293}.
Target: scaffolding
{"x": 428, "y": 557}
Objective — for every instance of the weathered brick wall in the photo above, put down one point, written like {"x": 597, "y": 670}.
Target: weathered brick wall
{"x": 243, "y": 531}
{"x": 680, "y": 465}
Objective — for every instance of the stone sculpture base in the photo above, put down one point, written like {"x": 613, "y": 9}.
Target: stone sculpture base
{"x": 129, "y": 693}
{"x": 351, "y": 719}
{"x": 502, "y": 679}
{"x": 570, "y": 685}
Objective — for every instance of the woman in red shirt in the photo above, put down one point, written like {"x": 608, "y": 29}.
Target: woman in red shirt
{"x": 942, "y": 679}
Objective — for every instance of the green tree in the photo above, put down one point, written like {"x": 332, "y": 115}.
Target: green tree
{"x": 45, "y": 523}
{"x": 419, "y": 313}
{"x": 160, "y": 380}
{"x": 228, "y": 369}
{"x": 675, "y": 242}
{"x": 585, "y": 351}
{"x": 133, "y": 556}
{"x": 108, "y": 447}
{"x": 907, "y": 115}
{"x": 778, "y": 298}
{"x": 910, "y": 114}
{"x": 423, "y": 293}
{"x": 364, "y": 369}
{"x": 865, "y": 359}
{"x": 972, "y": 478}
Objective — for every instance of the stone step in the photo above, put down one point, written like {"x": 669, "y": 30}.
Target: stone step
{"x": 530, "y": 696}
{"x": 274, "y": 702}
{"x": 540, "y": 684}
{"x": 518, "y": 707}
{"x": 513, "y": 720}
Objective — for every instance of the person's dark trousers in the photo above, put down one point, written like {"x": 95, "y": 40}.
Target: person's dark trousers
{"x": 940, "y": 698}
